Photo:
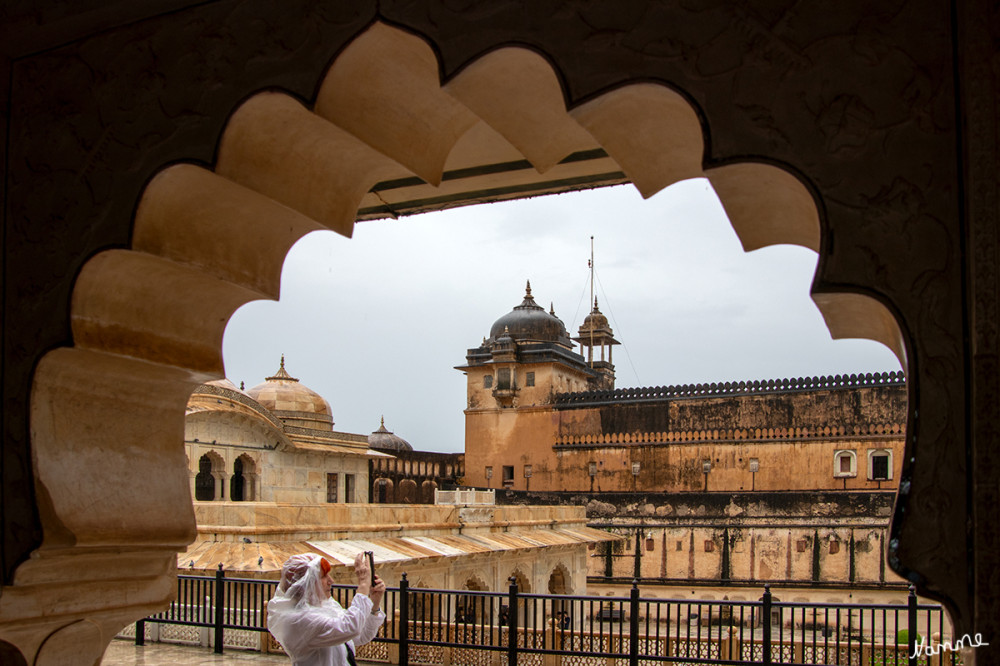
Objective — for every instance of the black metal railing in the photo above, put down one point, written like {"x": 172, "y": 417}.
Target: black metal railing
{"x": 430, "y": 626}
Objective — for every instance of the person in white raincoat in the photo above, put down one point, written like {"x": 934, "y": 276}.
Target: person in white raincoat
{"x": 312, "y": 627}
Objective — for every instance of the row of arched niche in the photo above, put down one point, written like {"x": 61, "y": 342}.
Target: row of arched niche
{"x": 384, "y": 491}
{"x": 212, "y": 481}
{"x": 481, "y": 610}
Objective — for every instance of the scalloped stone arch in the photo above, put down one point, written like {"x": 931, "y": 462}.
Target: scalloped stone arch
{"x": 474, "y": 583}
{"x": 523, "y": 580}
{"x": 567, "y": 579}
{"x": 284, "y": 169}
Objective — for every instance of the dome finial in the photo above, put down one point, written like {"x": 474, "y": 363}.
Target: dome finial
{"x": 282, "y": 373}
{"x": 527, "y": 289}
{"x": 595, "y": 303}
{"x": 383, "y": 420}
{"x": 552, "y": 308}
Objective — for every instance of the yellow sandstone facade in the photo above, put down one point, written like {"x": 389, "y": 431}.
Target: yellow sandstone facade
{"x": 788, "y": 481}
{"x": 541, "y": 417}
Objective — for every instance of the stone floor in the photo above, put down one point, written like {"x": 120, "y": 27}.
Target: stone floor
{"x": 126, "y": 653}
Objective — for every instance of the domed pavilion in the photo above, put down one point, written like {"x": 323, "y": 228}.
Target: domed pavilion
{"x": 385, "y": 440}
{"x": 529, "y": 357}
{"x": 293, "y": 402}
{"x": 274, "y": 442}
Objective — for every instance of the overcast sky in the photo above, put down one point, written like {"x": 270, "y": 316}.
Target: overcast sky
{"x": 376, "y": 324}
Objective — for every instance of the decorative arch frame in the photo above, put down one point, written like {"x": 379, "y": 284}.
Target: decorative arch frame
{"x": 89, "y": 363}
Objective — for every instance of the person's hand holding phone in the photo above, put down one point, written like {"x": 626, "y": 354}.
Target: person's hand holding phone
{"x": 363, "y": 570}
{"x": 378, "y": 591}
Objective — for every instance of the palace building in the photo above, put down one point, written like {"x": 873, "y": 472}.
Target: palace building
{"x": 788, "y": 481}
{"x": 541, "y": 416}
{"x": 270, "y": 477}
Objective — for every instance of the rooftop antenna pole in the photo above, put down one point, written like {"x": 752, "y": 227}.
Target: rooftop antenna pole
{"x": 591, "y": 350}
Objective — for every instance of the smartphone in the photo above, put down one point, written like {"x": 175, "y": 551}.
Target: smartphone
{"x": 371, "y": 564}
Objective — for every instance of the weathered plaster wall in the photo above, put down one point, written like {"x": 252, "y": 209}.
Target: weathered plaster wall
{"x": 793, "y": 435}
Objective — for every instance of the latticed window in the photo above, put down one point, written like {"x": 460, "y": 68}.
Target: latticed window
{"x": 331, "y": 487}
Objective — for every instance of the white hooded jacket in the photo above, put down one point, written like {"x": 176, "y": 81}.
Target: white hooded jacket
{"x": 312, "y": 627}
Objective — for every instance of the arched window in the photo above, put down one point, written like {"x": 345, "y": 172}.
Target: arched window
{"x": 879, "y": 465}
{"x": 204, "y": 481}
{"x": 845, "y": 464}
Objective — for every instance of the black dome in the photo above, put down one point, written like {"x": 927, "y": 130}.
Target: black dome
{"x": 530, "y": 322}
{"x": 384, "y": 440}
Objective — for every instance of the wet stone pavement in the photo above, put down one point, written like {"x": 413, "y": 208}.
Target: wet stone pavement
{"x": 127, "y": 653}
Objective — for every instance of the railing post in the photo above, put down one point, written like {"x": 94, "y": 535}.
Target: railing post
{"x": 512, "y": 623}
{"x": 220, "y": 590}
{"x": 633, "y": 624}
{"x": 911, "y": 626}
{"x": 404, "y": 621}
{"x": 766, "y": 623}
{"x": 140, "y": 632}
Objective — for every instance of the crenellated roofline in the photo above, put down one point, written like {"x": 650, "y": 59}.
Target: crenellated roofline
{"x": 723, "y": 389}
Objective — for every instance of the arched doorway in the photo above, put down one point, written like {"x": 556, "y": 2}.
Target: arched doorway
{"x": 242, "y": 484}
{"x": 472, "y": 609}
{"x": 384, "y": 491}
{"x": 560, "y": 583}
{"x": 204, "y": 481}
{"x": 407, "y": 493}
{"x": 237, "y": 483}
{"x": 529, "y": 615}
{"x": 422, "y": 604}
{"x": 427, "y": 489}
